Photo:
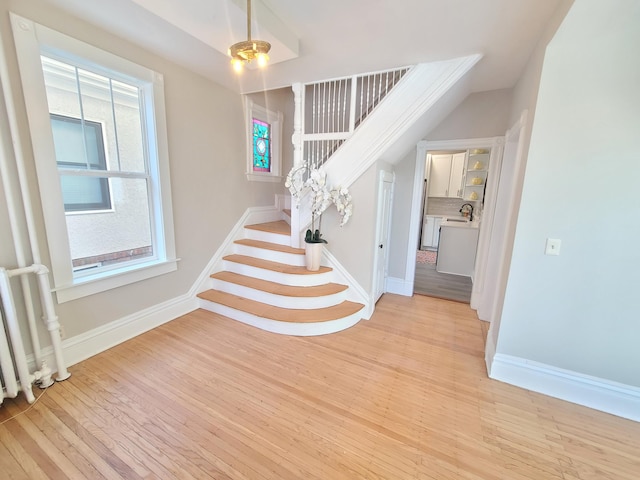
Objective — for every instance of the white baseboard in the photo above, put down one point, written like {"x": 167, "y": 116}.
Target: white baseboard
{"x": 593, "y": 392}
{"x": 88, "y": 344}
{"x": 399, "y": 286}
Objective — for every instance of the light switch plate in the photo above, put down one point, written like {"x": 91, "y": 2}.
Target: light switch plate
{"x": 552, "y": 246}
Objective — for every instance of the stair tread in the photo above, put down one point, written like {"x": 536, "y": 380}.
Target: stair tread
{"x": 270, "y": 312}
{"x": 270, "y": 246}
{"x": 274, "y": 266}
{"x": 280, "y": 227}
{"x": 278, "y": 288}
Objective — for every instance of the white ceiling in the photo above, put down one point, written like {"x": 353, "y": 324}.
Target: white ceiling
{"x": 317, "y": 40}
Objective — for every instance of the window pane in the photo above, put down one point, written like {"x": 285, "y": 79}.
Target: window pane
{"x": 126, "y": 107}
{"x": 85, "y": 193}
{"x": 75, "y": 150}
{"x": 124, "y": 234}
{"x": 62, "y": 87}
{"x": 261, "y": 146}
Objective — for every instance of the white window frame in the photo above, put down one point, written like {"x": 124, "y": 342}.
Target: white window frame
{"x": 32, "y": 40}
{"x": 275, "y": 120}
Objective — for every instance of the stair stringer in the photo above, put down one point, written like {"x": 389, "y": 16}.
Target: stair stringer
{"x": 405, "y": 104}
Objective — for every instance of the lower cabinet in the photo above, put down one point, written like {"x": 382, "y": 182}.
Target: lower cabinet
{"x": 457, "y": 250}
{"x": 431, "y": 231}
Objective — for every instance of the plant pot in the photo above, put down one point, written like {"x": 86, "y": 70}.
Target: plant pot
{"x": 313, "y": 255}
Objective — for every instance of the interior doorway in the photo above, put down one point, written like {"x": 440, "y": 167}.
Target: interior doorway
{"x": 446, "y": 205}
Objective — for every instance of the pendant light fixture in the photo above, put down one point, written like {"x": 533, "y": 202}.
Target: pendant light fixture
{"x": 248, "y": 50}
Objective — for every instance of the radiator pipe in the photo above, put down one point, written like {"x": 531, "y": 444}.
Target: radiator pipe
{"x": 50, "y": 317}
{"x": 11, "y": 320}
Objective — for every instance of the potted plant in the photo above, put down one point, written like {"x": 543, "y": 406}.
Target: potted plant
{"x": 321, "y": 198}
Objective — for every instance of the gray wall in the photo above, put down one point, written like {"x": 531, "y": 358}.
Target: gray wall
{"x": 525, "y": 94}
{"x": 577, "y": 311}
{"x": 205, "y": 124}
{"x": 353, "y": 244}
{"x": 480, "y": 115}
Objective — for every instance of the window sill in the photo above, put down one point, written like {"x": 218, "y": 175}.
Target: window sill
{"x": 86, "y": 286}
{"x": 255, "y": 177}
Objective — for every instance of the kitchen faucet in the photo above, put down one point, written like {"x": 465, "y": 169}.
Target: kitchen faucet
{"x": 470, "y": 210}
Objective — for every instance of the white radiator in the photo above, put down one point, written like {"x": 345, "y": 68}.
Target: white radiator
{"x": 13, "y": 360}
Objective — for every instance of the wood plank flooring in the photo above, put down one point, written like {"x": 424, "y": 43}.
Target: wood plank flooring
{"x": 442, "y": 285}
{"x": 402, "y": 396}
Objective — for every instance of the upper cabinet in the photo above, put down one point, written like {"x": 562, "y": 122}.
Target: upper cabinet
{"x": 446, "y": 174}
{"x": 458, "y": 175}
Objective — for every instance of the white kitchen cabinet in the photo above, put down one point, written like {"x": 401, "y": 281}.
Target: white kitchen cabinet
{"x": 446, "y": 175}
{"x": 440, "y": 172}
{"x": 457, "y": 175}
{"x": 431, "y": 231}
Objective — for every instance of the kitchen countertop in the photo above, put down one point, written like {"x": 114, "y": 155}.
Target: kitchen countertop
{"x": 451, "y": 222}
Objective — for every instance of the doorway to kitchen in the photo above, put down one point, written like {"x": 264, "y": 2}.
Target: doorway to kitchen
{"x": 451, "y": 180}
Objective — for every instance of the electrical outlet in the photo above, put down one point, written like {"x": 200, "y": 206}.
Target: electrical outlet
{"x": 552, "y": 246}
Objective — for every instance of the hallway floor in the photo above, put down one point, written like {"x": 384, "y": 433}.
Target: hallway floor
{"x": 441, "y": 285}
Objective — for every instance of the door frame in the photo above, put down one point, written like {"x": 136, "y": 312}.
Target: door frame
{"x": 494, "y": 143}
{"x": 384, "y": 177}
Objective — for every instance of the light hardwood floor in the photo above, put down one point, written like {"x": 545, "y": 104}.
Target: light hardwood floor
{"x": 402, "y": 396}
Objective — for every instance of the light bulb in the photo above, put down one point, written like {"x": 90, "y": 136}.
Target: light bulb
{"x": 262, "y": 59}
{"x": 237, "y": 65}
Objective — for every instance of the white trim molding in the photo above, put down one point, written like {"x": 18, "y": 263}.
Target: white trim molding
{"x": 80, "y": 347}
{"x": 593, "y": 392}
{"x": 399, "y": 286}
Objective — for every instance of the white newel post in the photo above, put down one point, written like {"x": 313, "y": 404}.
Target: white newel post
{"x": 296, "y": 140}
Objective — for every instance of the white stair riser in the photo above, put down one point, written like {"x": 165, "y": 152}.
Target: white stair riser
{"x": 303, "y": 303}
{"x": 284, "y": 328}
{"x": 267, "y": 237}
{"x": 278, "y": 277}
{"x": 272, "y": 255}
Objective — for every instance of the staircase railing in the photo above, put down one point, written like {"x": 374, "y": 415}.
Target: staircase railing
{"x": 330, "y": 111}
{"x": 325, "y": 115}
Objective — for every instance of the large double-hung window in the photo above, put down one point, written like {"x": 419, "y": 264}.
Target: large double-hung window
{"x": 99, "y": 140}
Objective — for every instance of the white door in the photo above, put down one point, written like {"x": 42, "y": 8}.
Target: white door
{"x": 385, "y": 190}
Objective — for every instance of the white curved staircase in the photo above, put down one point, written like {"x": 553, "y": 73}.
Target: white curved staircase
{"x": 264, "y": 283}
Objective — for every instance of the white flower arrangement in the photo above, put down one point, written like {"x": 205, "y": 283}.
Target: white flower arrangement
{"x": 342, "y": 199}
{"x": 295, "y": 182}
{"x": 323, "y": 197}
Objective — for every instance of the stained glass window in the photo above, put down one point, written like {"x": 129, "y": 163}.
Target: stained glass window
{"x": 261, "y": 146}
